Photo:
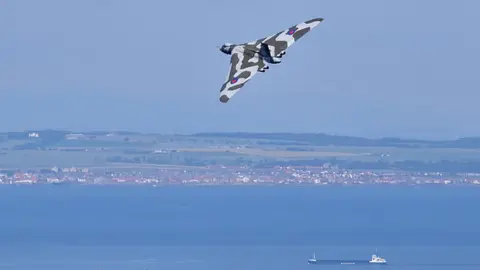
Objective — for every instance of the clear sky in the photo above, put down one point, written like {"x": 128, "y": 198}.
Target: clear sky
{"x": 372, "y": 68}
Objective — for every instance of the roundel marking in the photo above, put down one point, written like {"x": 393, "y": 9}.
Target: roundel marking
{"x": 234, "y": 80}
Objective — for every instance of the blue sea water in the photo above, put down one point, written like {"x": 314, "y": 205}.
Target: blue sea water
{"x": 179, "y": 228}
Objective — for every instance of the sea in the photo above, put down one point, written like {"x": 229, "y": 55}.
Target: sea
{"x": 237, "y": 227}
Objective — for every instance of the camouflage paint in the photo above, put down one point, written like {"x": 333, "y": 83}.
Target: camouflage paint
{"x": 246, "y": 61}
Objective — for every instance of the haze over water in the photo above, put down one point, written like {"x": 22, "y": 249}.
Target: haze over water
{"x": 132, "y": 227}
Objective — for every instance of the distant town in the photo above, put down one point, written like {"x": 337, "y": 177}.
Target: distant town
{"x": 222, "y": 175}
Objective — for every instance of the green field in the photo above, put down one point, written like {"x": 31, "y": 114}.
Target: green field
{"x": 180, "y": 150}
{"x": 270, "y": 152}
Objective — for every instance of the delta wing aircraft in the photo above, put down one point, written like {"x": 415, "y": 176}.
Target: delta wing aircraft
{"x": 249, "y": 58}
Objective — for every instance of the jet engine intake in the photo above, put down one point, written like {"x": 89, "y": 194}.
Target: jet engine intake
{"x": 276, "y": 60}
{"x": 263, "y": 69}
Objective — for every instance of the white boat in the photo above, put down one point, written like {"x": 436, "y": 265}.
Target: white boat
{"x": 313, "y": 259}
{"x": 377, "y": 260}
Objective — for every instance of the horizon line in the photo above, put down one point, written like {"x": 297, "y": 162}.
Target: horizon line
{"x": 334, "y": 134}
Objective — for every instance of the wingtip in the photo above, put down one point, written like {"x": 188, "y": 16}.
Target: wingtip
{"x": 318, "y": 20}
{"x": 224, "y": 99}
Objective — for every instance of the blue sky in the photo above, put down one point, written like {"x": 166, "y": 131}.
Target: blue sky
{"x": 372, "y": 68}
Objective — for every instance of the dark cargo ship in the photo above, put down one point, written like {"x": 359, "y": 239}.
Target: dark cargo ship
{"x": 374, "y": 260}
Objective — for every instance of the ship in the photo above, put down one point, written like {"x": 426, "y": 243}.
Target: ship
{"x": 313, "y": 260}
{"x": 377, "y": 260}
{"x": 374, "y": 260}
